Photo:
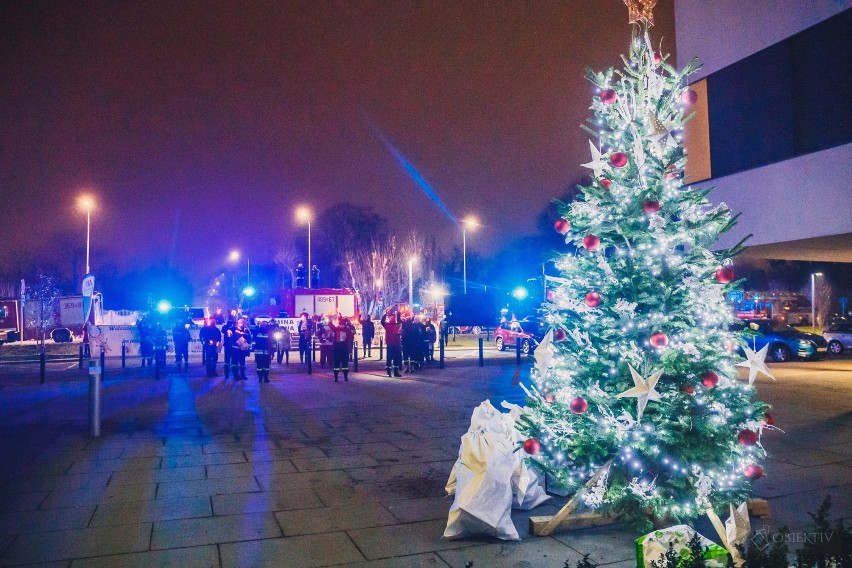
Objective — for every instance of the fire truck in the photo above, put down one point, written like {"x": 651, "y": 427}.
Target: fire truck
{"x": 10, "y": 320}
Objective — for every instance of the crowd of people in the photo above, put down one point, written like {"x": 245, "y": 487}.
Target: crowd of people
{"x": 410, "y": 343}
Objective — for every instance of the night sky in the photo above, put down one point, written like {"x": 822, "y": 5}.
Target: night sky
{"x": 200, "y": 126}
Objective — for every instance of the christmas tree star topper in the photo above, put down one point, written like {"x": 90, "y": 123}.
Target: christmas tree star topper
{"x": 643, "y": 391}
{"x": 756, "y": 363}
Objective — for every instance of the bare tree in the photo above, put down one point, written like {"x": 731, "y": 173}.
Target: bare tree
{"x": 380, "y": 273}
{"x": 285, "y": 259}
{"x": 823, "y": 299}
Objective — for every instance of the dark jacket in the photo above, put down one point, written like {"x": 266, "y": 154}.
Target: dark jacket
{"x": 209, "y": 335}
{"x": 368, "y": 330}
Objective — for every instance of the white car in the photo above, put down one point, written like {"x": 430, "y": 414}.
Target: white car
{"x": 839, "y": 337}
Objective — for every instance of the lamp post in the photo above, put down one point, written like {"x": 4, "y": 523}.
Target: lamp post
{"x": 411, "y": 280}
{"x": 467, "y": 223}
{"x": 303, "y": 215}
{"x": 87, "y": 203}
{"x": 813, "y": 297}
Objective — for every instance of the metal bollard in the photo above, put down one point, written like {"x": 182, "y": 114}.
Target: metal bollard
{"x": 95, "y": 378}
{"x": 314, "y": 350}
{"x": 41, "y": 366}
{"x": 481, "y": 355}
{"x": 381, "y": 348}
{"x": 441, "y": 351}
{"x": 156, "y": 367}
{"x": 355, "y": 356}
{"x": 518, "y": 351}
{"x": 123, "y": 354}
{"x": 103, "y": 363}
{"x": 81, "y": 356}
{"x": 308, "y": 359}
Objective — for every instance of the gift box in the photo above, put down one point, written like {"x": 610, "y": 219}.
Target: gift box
{"x": 654, "y": 545}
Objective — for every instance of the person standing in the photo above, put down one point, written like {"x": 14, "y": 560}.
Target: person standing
{"x": 326, "y": 341}
{"x": 393, "y": 341}
{"x": 368, "y": 332}
{"x": 340, "y": 336}
{"x": 146, "y": 343}
{"x": 181, "y": 338}
{"x": 283, "y": 343}
{"x": 228, "y": 344}
{"x": 306, "y": 334}
{"x": 210, "y": 338}
{"x": 161, "y": 342}
{"x": 241, "y": 349}
{"x": 431, "y": 337}
{"x": 262, "y": 355}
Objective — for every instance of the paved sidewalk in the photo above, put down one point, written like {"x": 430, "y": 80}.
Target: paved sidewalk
{"x": 306, "y": 472}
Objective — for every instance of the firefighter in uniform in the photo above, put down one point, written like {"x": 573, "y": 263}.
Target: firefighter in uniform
{"x": 306, "y": 333}
{"x": 340, "y": 337}
{"x": 181, "y": 338}
{"x": 228, "y": 345}
{"x": 262, "y": 356}
{"x": 210, "y": 338}
{"x": 160, "y": 344}
{"x": 393, "y": 340}
{"x": 240, "y": 349}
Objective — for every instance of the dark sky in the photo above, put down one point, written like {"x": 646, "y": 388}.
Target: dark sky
{"x": 206, "y": 123}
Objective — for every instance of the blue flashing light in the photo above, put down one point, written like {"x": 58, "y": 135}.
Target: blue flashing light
{"x": 163, "y": 306}
{"x": 520, "y": 293}
{"x": 249, "y": 291}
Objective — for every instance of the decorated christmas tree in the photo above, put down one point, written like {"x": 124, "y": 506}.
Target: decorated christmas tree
{"x": 636, "y": 400}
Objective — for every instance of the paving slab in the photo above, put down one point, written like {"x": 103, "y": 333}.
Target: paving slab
{"x": 538, "y": 553}
{"x": 284, "y": 481}
{"x": 173, "y": 489}
{"x": 332, "y": 519}
{"x": 59, "y": 545}
{"x": 612, "y": 543}
{"x": 126, "y": 464}
{"x": 96, "y": 495}
{"x": 404, "y": 540}
{"x": 264, "y": 468}
{"x": 203, "y": 459}
{"x": 429, "y": 560}
{"x": 22, "y": 501}
{"x": 307, "y": 551}
{"x": 136, "y": 476}
{"x": 412, "y": 510}
{"x": 113, "y": 514}
{"x": 238, "y": 503}
{"x": 212, "y": 530}
{"x": 194, "y": 557}
{"x": 23, "y": 522}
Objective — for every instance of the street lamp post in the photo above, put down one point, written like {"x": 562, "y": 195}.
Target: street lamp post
{"x": 87, "y": 203}
{"x": 468, "y": 223}
{"x": 411, "y": 281}
{"x": 813, "y": 297}
{"x": 303, "y": 214}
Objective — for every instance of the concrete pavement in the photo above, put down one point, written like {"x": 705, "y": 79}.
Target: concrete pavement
{"x": 307, "y": 472}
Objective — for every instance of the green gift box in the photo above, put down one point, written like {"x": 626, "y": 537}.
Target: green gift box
{"x": 654, "y": 545}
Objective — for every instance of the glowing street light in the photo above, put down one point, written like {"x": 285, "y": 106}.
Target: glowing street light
{"x": 468, "y": 223}
{"x": 813, "y": 297}
{"x": 520, "y": 293}
{"x": 304, "y": 215}
{"x": 234, "y": 256}
{"x": 87, "y": 203}
{"x": 163, "y": 306}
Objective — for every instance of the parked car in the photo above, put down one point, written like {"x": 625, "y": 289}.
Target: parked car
{"x": 839, "y": 337}
{"x": 784, "y": 341}
{"x": 529, "y": 332}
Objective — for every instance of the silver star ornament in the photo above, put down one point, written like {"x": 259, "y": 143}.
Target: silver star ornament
{"x": 643, "y": 391}
{"x": 756, "y": 363}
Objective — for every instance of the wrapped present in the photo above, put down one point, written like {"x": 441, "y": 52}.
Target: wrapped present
{"x": 654, "y": 545}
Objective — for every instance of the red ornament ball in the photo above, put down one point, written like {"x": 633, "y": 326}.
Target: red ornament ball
{"x": 747, "y": 437}
{"x": 725, "y": 275}
{"x": 689, "y": 97}
{"x": 672, "y": 175}
{"x": 688, "y": 389}
{"x": 658, "y": 58}
{"x": 769, "y": 419}
{"x": 549, "y": 398}
{"x": 619, "y": 159}
{"x": 709, "y": 379}
{"x": 753, "y": 471}
{"x": 651, "y": 206}
{"x": 532, "y": 446}
{"x": 551, "y": 295}
{"x": 579, "y": 405}
{"x": 562, "y": 226}
{"x": 593, "y": 299}
{"x": 659, "y": 339}
{"x": 606, "y": 183}
{"x": 591, "y": 242}
{"x": 559, "y": 335}
{"x": 608, "y": 96}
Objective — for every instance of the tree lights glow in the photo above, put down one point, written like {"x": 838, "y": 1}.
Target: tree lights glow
{"x": 643, "y": 321}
